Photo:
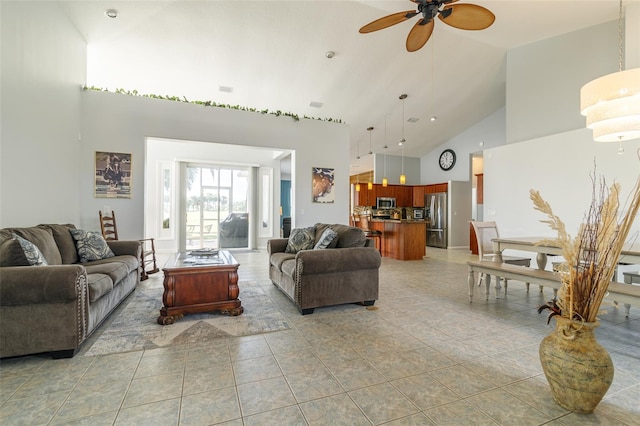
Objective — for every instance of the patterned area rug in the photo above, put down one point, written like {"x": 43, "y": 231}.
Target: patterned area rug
{"x": 133, "y": 326}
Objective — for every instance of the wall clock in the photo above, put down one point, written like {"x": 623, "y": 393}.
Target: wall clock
{"x": 447, "y": 159}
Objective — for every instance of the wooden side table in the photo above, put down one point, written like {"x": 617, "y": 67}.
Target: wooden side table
{"x": 195, "y": 284}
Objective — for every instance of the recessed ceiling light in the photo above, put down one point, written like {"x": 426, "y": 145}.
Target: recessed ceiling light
{"x": 412, "y": 119}
{"x": 111, "y": 13}
{"x": 316, "y": 104}
{"x": 434, "y": 118}
{"x": 226, "y": 89}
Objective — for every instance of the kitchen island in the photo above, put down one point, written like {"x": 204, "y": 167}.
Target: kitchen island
{"x": 402, "y": 239}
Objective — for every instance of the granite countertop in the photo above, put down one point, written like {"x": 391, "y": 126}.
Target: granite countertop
{"x": 400, "y": 220}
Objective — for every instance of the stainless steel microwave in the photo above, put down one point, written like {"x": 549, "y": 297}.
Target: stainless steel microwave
{"x": 385, "y": 203}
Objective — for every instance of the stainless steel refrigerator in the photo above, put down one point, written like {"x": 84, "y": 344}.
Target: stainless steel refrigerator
{"x": 437, "y": 230}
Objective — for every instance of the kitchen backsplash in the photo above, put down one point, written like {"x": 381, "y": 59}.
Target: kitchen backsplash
{"x": 358, "y": 210}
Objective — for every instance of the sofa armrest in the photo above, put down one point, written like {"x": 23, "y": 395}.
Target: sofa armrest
{"x": 337, "y": 260}
{"x": 120, "y": 248}
{"x": 277, "y": 245}
{"x": 26, "y": 285}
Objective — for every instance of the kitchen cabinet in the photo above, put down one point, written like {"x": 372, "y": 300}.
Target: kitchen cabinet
{"x": 402, "y": 239}
{"x": 473, "y": 240}
{"x": 479, "y": 188}
{"x": 382, "y": 191}
{"x": 418, "y": 196}
{"x": 362, "y": 196}
{"x": 404, "y": 195}
{"x": 439, "y": 187}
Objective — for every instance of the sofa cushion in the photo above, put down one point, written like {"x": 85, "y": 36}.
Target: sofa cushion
{"x": 276, "y": 259}
{"x": 320, "y": 228}
{"x": 42, "y": 238}
{"x": 117, "y": 267}
{"x": 349, "y": 236}
{"x": 301, "y": 239}
{"x": 65, "y": 242}
{"x": 289, "y": 268}
{"x": 130, "y": 262}
{"x": 91, "y": 245}
{"x": 11, "y": 254}
{"x": 99, "y": 285}
{"x": 31, "y": 252}
{"x": 325, "y": 240}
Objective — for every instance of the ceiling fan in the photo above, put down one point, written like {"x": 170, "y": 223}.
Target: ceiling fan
{"x": 463, "y": 16}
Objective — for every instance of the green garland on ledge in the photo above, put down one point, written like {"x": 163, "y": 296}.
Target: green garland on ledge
{"x": 278, "y": 113}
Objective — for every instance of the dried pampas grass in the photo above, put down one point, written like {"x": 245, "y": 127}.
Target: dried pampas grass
{"x": 592, "y": 256}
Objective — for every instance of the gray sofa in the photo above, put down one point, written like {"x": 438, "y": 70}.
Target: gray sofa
{"x": 345, "y": 272}
{"x": 55, "y": 307}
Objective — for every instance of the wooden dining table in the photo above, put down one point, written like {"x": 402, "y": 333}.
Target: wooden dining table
{"x": 630, "y": 256}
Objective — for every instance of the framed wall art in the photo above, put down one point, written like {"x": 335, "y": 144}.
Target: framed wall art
{"x": 112, "y": 175}
{"x": 322, "y": 185}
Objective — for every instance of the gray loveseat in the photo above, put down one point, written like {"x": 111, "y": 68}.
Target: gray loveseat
{"x": 55, "y": 307}
{"x": 345, "y": 272}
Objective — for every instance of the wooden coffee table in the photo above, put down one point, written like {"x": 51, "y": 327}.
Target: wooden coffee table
{"x": 194, "y": 284}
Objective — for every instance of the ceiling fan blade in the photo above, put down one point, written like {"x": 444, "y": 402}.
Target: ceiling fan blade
{"x": 467, "y": 16}
{"x": 419, "y": 35}
{"x": 387, "y": 21}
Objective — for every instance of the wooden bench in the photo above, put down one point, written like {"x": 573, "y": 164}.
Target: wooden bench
{"x": 619, "y": 292}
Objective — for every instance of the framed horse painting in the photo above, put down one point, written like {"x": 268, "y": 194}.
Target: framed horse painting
{"x": 112, "y": 175}
{"x": 322, "y": 185}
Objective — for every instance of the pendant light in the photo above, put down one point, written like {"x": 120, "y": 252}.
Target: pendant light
{"x": 612, "y": 103}
{"x": 385, "y": 182}
{"x": 403, "y": 178}
{"x": 370, "y": 183}
{"x": 358, "y": 175}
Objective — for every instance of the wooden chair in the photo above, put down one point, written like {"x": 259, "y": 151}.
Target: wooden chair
{"x": 485, "y": 232}
{"x": 363, "y": 224}
{"x": 110, "y": 232}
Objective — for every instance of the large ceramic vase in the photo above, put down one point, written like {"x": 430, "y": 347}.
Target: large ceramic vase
{"x": 577, "y": 367}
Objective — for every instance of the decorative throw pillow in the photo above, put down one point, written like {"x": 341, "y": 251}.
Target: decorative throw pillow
{"x": 325, "y": 239}
{"x": 31, "y": 252}
{"x": 90, "y": 245}
{"x": 301, "y": 239}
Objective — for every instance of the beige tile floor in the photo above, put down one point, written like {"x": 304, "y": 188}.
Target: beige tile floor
{"x": 425, "y": 356}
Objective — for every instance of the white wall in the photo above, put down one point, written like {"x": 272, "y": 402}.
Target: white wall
{"x": 121, "y": 123}
{"x": 559, "y": 166}
{"x": 459, "y": 211}
{"x": 489, "y": 132}
{"x": 394, "y": 169}
{"x": 43, "y": 68}
{"x": 544, "y": 80}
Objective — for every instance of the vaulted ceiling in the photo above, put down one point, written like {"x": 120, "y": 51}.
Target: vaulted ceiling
{"x": 273, "y": 55}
